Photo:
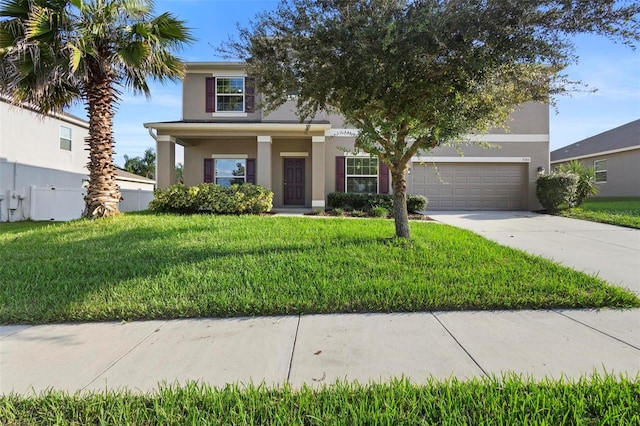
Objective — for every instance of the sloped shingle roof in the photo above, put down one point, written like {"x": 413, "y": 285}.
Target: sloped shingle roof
{"x": 625, "y": 136}
{"x": 130, "y": 176}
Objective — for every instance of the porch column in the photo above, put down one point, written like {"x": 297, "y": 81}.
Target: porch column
{"x": 263, "y": 163}
{"x": 317, "y": 172}
{"x": 165, "y": 161}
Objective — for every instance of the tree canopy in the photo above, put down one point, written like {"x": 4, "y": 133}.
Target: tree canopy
{"x": 412, "y": 75}
{"x": 142, "y": 166}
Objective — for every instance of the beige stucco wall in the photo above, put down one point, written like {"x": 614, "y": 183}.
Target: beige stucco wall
{"x": 623, "y": 173}
{"x": 194, "y": 97}
{"x": 529, "y": 118}
{"x": 200, "y": 149}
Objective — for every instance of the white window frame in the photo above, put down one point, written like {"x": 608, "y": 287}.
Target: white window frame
{"x": 347, "y": 175}
{"x": 68, "y": 140}
{"x": 243, "y": 94}
{"x": 596, "y": 171}
{"x": 234, "y": 159}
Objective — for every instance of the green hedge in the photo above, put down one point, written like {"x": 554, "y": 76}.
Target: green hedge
{"x": 556, "y": 189}
{"x": 212, "y": 198}
{"x": 368, "y": 202}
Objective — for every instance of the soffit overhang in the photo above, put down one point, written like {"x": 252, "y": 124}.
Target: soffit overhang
{"x": 186, "y": 130}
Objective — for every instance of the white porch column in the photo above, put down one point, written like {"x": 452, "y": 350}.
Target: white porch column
{"x": 165, "y": 161}
{"x": 263, "y": 163}
{"x": 318, "y": 171}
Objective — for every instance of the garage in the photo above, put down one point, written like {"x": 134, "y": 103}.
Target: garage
{"x": 470, "y": 186}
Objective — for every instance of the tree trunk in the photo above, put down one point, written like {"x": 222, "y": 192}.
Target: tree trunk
{"x": 103, "y": 196}
{"x": 400, "y": 213}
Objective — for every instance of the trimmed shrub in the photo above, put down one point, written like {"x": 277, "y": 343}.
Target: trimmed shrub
{"x": 416, "y": 203}
{"x": 212, "y": 198}
{"x": 379, "y": 211}
{"x": 368, "y": 202}
{"x": 554, "y": 190}
{"x": 175, "y": 199}
{"x": 354, "y": 201}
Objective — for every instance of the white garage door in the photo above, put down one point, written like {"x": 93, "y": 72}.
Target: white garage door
{"x": 470, "y": 186}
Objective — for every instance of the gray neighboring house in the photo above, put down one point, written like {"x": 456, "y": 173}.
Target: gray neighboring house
{"x": 228, "y": 139}
{"x": 615, "y": 156}
{"x": 43, "y": 167}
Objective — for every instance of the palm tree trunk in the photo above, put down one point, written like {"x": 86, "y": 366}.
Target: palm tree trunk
{"x": 103, "y": 196}
{"x": 400, "y": 213}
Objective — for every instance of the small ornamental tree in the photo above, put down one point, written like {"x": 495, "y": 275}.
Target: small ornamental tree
{"x": 413, "y": 74}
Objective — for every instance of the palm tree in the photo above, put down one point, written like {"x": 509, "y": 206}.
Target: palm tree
{"x": 586, "y": 180}
{"x": 57, "y": 52}
{"x": 145, "y": 166}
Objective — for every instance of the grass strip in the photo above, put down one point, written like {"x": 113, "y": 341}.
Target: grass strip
{"x": 143, "y": 266}
{"x": 621, "y": 211}
{"x": 510, "y": 400}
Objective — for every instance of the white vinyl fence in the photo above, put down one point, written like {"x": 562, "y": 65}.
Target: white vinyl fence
{"x": 60, "y": 204}
{"x": 134, "y": 200}
{"x": 56, "y": 203}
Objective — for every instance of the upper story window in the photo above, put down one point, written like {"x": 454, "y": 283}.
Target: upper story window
{"x": 600, "y": 167}
{"x": 65, "y": 138}
{"x": 230, "y": 94}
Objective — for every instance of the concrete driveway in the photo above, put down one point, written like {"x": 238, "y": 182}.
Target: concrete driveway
{"x": 610, "y": 252}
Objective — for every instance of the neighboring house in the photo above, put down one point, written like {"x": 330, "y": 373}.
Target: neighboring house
{"x": 43, "y": 165}
{"x": 227, "y": 140}
{"x": 137, "y": 191}
{"x": 615, "y": 156}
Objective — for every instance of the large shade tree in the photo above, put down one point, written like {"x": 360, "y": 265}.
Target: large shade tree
{"x": 57, "y": 52}
{"x": 412, "y": 75}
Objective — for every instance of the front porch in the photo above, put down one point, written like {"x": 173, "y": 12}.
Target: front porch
{"x": 288, "y": 159}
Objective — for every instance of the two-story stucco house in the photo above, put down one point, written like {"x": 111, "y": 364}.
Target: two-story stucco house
{"x": 226, "y": 140}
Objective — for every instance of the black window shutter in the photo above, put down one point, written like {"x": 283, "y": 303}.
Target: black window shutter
{"x": 251, "y": 170}
{"x": 208, "y": 170}
{"x": 383, "y": 178}
{"x": 210, "y": 93}
{"x": 340, "y": 174}
{"x": 249, "y": 94}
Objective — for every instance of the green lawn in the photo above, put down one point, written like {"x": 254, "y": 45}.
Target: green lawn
{"x": 622, "y": 211}
{"x": 507, "y": 401}
{"x": 144, "y": 266}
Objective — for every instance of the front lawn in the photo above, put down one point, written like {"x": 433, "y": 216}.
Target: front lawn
{"x": 507, "y": 401}
{"x": 621, "y": 211}
{"x": 144, "y": 266}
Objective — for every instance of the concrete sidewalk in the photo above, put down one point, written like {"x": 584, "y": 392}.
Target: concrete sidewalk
{"x": 317, "y": 349}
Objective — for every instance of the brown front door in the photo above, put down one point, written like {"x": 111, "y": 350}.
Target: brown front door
{"x": 294, "y": 181}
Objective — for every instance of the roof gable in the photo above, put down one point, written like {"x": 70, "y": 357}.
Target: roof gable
{"x": 625, "y": 136}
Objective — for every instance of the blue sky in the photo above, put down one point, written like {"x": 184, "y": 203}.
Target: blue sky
{"x": 613, "y": 69}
